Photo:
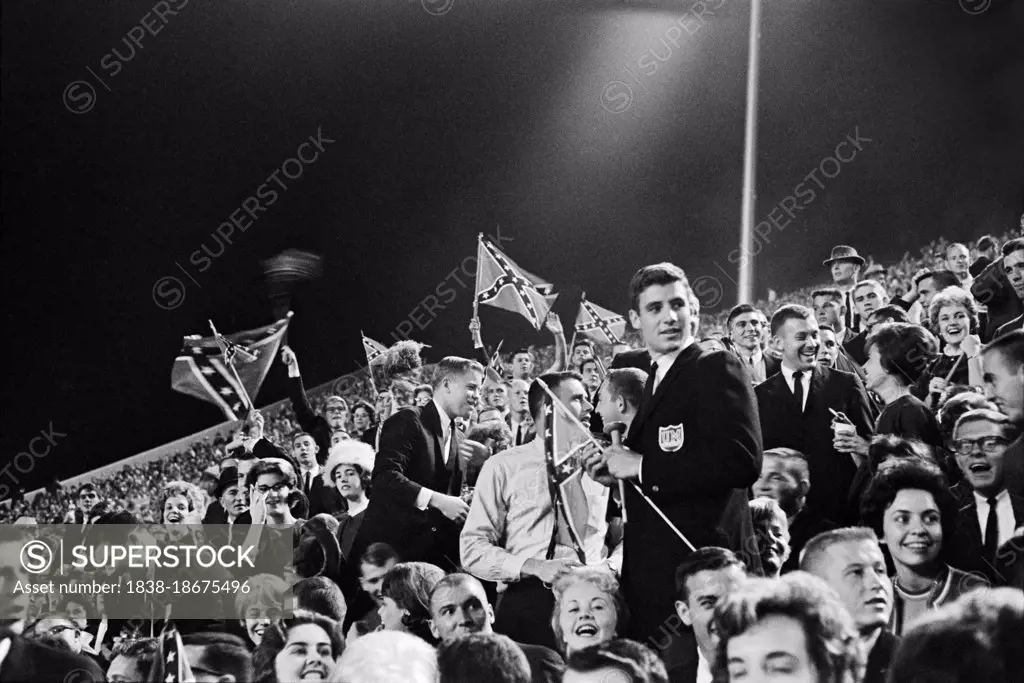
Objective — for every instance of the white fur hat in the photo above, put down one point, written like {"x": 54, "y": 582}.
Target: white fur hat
{"x": 348, "y": 452}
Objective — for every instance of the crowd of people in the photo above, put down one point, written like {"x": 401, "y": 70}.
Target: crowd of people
{"x": 825, "y": 487}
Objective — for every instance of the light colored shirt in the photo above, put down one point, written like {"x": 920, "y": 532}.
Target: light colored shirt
{"x": 511, "y": 519}
{"x": 665, "y": 362}
{"x": 755, "y": 365}
{"x": 805, "y": 380}
{"x": 5, "y": 648}
{"x": 309, "y": 476}
{"x": 423, "y": 497}
{"x": 703, "y": 668}
{"x": 1004, "y": 513}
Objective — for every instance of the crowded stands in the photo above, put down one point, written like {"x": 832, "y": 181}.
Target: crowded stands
{"x": 827, "y": 485}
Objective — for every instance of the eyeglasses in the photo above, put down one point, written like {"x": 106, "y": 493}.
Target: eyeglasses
{"x": 277, "y": 488}
{"x": 990, "y": 445}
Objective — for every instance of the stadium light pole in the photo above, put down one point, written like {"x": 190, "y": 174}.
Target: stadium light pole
{"x": 745, "y": 293}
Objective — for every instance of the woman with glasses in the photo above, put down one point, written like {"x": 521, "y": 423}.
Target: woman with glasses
{"x": 911, "y": 509}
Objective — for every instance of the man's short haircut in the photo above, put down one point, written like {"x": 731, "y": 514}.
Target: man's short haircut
{"x": 336, "y": 399}
{"x": 793, "y": 461}
{"x": 870, "y": 283}
{"x": 707, "y": 559}
{"x": 299, "y": 435}
{"x": 423, "y": 387}
{"x": 943, "y": 278}
{"x": 832, "y": 293}
{"x": 378, "y": 555}
{"x": 388, "y": 657}
{"x": 1010, "y": 346}
{"x": 222, "y": 652}
{"x": 815, "y": 549}
{"x": 987, "y": 242}
{"x": 582, "y": 341}
{"x": 454, "y": 580}
{"x": 1009, "y": 430}
{"x": 629, "y": 657}
{"x": 553, "y": 380}
{"x": 908, "y": 474}
{"x": 478, "y": 657}
{"x": 958, "y": 405}
{"x": 833, "y": 643}
{"x": 491, "y": 429}
{"x": 1016, "y": 244}
{"x": 628, "y": 383}
{"x": 663, "y": 273}
{"x": 321, "y": 595}
{"x": 891, "y": 312}
{"x": 455, "y": 366}
{"x": 956, "y": 244}
{"x": 590, "y": 361}
{"x": 904, "y": 350}
{"x": 526, "y": 351}
{"x": 738, "y": 310}
{"x": 976, "y": 638}
{"x": 790, "y": 312}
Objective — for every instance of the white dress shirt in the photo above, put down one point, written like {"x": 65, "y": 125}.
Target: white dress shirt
{"x": 755, "y": 365}
{"x": 312, "y": 473}
{"x": 423, "y": 498}
{"x": 665, "y": 362}
{"x": 787, "y": 374}
{"x": 1004, "y": 513}
{"x": 703, "y": 668}
{"x": 511, "y": 518}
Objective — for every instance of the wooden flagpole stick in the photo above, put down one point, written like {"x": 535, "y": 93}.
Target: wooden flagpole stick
{"x": 474, "y": 325}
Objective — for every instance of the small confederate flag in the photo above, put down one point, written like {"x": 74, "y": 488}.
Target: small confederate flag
{"x": 599, "y": 324}
{"x": 170, "y": 664}
{"x": 373, "y": 349}
{"x": 503, "y": 284}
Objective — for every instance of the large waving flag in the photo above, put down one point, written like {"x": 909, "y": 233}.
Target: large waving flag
{"x": 566, "y": 443}
{"x": 599, "y": 324}
{"x": 227, "y": 370}
{"x": 503, "y": 284}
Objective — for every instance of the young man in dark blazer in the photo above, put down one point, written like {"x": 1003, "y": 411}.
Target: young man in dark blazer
{"x": 797, "y": 415}
{"x": 694, "y": 449}
{"x": 417, "y": 480}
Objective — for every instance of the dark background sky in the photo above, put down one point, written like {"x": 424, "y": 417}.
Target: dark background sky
{"x": 445, "y": 126}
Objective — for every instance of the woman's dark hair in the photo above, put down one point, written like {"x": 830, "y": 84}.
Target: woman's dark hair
{"x": 909, "y": 474}
{"x": 903, "y": 349}
{"x": 886, "y": 446}
{"x": 637, "y": 661}
{"x": 321, "y": 595}
{"x": 410, "y": 584}
{"x": 276, "y": 635}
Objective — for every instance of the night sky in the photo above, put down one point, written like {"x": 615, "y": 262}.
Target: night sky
{"x": 600, "y": 136}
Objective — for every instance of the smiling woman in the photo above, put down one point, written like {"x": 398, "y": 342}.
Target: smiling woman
{"x": 911, "y": 509}
{"x": 304, "y": 647}
{"x": 589, "y": 609}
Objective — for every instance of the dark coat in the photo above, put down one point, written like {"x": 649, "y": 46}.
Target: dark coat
{"x": 832, "y": 472}
{"x": 410, "y": 459}
{"x": 967, "y": 547}
{"x": 701, "y": 444}
{"x": 31, "y": 662}
{"x": 638, "y": 358}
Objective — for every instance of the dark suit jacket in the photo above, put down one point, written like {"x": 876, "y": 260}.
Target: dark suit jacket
{"x": 545, "y": 664}
{"x": 1015, "y": 324}
{"x": 31, "y": 662}
{"x": 639, "y": 359}
{"x": 410, "y": 459}
{"x": 701, "y": 445}
{"x": 881, "y": 656}
{"x": 771, "y": 365}
{"x": 322, "y": 498}
{"x": 967, "y": 547}
{"x": 855, "y": 348}
{"x": 832, "y": 472}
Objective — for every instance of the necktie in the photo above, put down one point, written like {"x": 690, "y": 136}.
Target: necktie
{"x": 306, "y": 485}
{"x": 519, "y": 434}
{"x": 798, "y": 390}
{"x": 991, "y": 531}
{"x": 652, "y": 382}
